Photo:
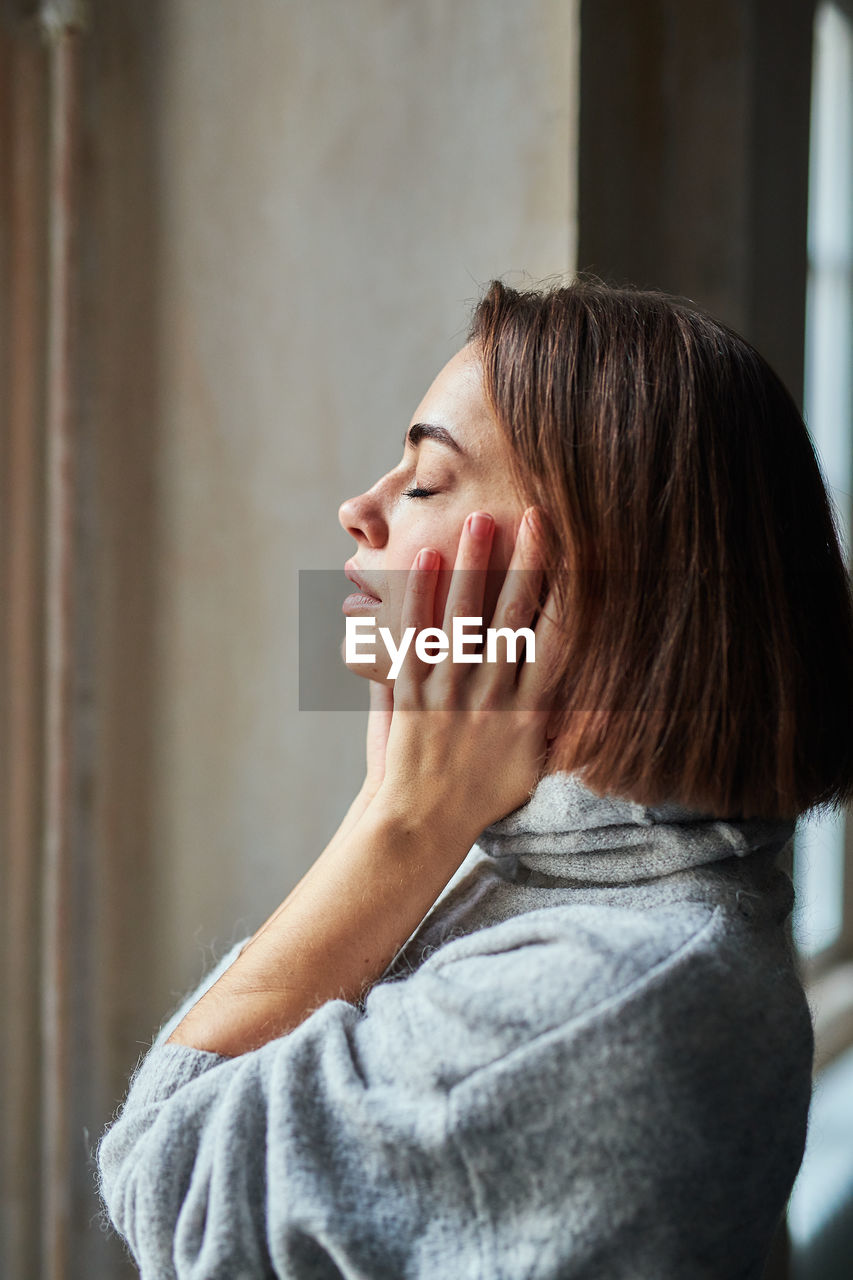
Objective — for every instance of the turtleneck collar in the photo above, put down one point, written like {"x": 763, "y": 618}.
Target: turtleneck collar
{"x": 567, "y": 831}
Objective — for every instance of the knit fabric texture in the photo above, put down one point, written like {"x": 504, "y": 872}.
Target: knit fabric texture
{"x": 592, "y": 1060}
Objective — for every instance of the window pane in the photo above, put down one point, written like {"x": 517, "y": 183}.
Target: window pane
{"x": 819, "y": 842}
{"x": 818, "y": 881}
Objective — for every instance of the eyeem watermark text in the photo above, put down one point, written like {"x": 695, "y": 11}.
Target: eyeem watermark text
{"x": 433, "y": 645}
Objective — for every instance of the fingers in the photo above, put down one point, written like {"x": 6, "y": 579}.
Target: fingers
{"x": 419, "y": 652}
{"x": 533, "y": 688}
{"x": 515, "y": 627}
{"x": 468, "y": 580}
{"x": 417, "y": 617}
{"x": 518, "y": 601}
{"x": 381, "y": 699}
{"x": 539, "y": 636}
{"x": 378, "y": 728}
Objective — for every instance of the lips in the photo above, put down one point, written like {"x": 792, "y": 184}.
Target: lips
{"x": 360, "y": 581}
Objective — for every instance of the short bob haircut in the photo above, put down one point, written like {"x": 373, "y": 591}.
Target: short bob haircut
{"x": 691, "y": 548}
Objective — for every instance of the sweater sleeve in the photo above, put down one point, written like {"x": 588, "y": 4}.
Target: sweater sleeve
{"x": 561, "y": 1093}
{"x": 309, "y": 1157}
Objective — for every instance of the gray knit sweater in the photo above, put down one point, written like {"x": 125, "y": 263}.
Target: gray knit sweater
{"x": 591, "y": 1060}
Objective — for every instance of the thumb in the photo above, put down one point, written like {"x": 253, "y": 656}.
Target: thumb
{"x": 381, "y": 697}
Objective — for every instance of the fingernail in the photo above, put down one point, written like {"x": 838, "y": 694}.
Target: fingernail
{"x": 480, "y": 524}
{"x": 427, "y": 559}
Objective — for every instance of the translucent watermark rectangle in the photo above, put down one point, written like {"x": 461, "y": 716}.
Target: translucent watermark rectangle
{"x": 342, "y": 647}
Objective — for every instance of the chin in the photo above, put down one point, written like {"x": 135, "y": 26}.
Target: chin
{"x": 367, "y": 670}
{"x": 369, "y": 673}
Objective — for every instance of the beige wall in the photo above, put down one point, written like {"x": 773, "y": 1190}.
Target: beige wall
{"x": 284, "y": 211}
{"x": 335, "y": 182}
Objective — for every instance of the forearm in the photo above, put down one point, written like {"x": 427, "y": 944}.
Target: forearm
{"x": 348, "y": 823}
{"x": 334, "y": 935}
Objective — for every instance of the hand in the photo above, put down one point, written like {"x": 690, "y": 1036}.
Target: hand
{"x": 465, "y": 746}
{"x": 467, "y": 742}
{"x": 378, "y": 726}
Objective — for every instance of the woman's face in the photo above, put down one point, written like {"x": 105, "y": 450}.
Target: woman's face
{"x": 454, "y": 462}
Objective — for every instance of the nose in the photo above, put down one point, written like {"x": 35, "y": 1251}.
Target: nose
{"x": 363, "y": 519}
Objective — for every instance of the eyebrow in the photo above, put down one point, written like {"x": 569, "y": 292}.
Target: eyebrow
{"x": 429, "y": 431}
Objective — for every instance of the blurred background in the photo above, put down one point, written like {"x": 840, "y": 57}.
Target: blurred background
{"x": 238, "y": 238}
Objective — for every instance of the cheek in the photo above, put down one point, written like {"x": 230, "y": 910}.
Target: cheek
{"x": 423, "y": 533}
{"x": 428, "y": 532}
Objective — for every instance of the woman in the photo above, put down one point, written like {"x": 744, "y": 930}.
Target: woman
{"x": 533, "y": 1012}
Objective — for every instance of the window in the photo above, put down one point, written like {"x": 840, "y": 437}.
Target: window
{"x": 819, "y": 1211}
{"x": 821, "y": 843}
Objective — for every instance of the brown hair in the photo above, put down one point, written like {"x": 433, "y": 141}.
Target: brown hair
{"x": 692, "y": 550}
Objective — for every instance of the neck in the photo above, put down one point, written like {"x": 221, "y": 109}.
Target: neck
{"x": 571, "y": 833}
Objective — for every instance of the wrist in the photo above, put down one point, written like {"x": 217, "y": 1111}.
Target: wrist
{"x": 427, "y": 823}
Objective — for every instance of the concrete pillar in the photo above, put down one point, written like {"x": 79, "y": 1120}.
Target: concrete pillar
{"x": 694, "y": 131}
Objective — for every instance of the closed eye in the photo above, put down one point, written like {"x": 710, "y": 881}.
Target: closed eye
{"x": 419, "y": 493}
